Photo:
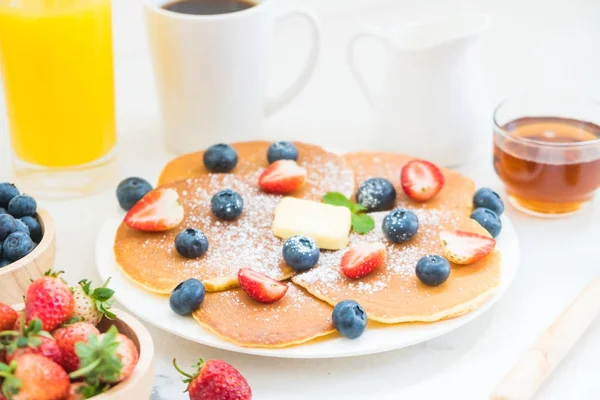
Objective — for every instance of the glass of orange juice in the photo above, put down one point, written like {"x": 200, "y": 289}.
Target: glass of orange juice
{"x": 56, "y": 65}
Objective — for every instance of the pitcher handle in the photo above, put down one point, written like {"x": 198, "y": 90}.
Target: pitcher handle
{"x": 291, "y": 92}
{"x": 367, "y": 32}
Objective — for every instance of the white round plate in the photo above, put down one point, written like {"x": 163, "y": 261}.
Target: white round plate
{"x": 155, "y": 310}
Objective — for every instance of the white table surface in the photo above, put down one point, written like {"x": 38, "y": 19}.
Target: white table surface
{"x": 534, "y": 45}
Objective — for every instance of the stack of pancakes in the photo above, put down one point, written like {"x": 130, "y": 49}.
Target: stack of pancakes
{"x": 392, "y": 294}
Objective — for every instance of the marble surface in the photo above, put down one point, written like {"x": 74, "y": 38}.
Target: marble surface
{"x": 534, "y": 45}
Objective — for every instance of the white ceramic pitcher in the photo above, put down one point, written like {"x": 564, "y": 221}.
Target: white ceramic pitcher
{"x": 433, "y": 103}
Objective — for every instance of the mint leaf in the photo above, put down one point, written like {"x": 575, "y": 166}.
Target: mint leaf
{"x": 362, "y": 223}
{"x": 357, "y": 207}
{"x": 338, "y": 199}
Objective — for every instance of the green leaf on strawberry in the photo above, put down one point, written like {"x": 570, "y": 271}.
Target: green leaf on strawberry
{"x": 98, "y": 359}
{"x": 361, "y": 223}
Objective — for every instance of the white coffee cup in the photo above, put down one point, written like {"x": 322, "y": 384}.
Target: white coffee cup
{"x": 212, "y": 71}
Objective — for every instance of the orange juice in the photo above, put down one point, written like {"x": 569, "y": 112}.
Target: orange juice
{"x": 56, "y": 63}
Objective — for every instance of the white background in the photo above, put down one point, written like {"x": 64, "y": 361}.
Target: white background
{"x": 532, "y": 45}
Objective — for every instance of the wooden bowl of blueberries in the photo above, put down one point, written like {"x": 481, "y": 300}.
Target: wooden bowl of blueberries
{"x": 27, "y": 243}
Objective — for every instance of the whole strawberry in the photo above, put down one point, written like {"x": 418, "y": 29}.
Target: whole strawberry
{"x": 92, "y": 304}
{"x": 8, "y": 317}
{"x": 67, "y": 337}
{"x": 30, "y": 339}
{"x": 216, "y": 380}
{"x": 107, "y": 358}
{"x": 34, "y": 377}
{"x": 50, "y": 300}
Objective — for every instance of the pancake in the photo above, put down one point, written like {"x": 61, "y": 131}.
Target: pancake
{"x": 393, "y": 293}
{"x": 457, "y": 193}
{"x": 296, "y": 318}
{"x": 150, "y": 258}
{"x": 326, "y": 172}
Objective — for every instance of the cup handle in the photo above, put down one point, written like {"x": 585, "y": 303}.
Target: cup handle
{"x": 288, "y": 95}
{"x": 367, "y": 32}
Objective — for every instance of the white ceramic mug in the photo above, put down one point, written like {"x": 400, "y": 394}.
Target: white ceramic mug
{"x": 212, "y": 71}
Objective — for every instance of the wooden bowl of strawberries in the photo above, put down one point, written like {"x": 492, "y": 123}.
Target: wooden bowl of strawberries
{"x": 68, "y": 343}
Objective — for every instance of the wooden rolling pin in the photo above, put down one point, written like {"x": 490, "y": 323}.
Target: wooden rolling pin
{"x": 533, "y": 368}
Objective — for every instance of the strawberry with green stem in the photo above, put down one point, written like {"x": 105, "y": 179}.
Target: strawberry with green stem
{"x": 50, "y": 300}
{"x": 30, "y": 340}
{"x": 34, "y": 377}
{"x": 91, "y": 305}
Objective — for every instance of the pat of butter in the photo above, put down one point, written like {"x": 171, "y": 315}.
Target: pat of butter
{"x": 328, "y": 225}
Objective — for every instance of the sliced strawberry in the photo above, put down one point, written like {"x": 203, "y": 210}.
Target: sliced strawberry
{"x": 281, "y": 177}
{"x": 363, "y": 259}
{"x": 260, "y": 287}
{"x": 421, "y": 180}
{"x": 159, "y": 210}
{"x": 462, "y": 247}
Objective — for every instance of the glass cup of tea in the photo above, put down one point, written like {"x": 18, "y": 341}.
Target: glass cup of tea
{"x": 547, "y": 152}
{"x": 56, "y": 63}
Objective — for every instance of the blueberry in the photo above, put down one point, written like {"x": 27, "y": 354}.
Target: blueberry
{"x": 191, "y": 243}
{"x": 7, "y": 225}
{"x": 3, "y": 210}
{"x": 220, "y": 158}
{"x": 349, "y": 318}
{"x": 282, "y": 151}
{"x": 489, "y": 199}
{"x": 488, "y": 219}
{"x": 433, "y": 270}
{"x": 7, "y": 192}
{"x": 35, "y": 229}
{"x": 21, "y": 227}
{"x": 17, "y": 245}
{"x": 4, "y": 262}
{"x": 227, "y": 204}
{"x": 131, "y": 190}
{"x": 187, "y": 296}
{"x": 22, "y": 205}
{"x": 400, "y": 225}
{"x": 301, "y": 253}
{"x": 377, "y": 194}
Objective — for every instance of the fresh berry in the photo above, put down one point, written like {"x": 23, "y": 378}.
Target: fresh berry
{"x": 282, "y": 177}
{"x": 349, "y": 318}
{"x": 4, "y": 262}
{"x": 131, "y": 190}
{"x": 109, "y": 357}
{"x": 21, "y": 227}
{"x": 191, "y": 243}
{"x": 8, "y": 317}
{"x": 7, "y": 226}
{"x": 35, "y": 377}
{"x": 400, "y": 225}
{"x": 16, "y": 246}
{"x": 433, "y": 270}
{"x": 50, "y": 300}
{"x": 91, "y": 305}
{"x": 363, "y": 259}
{"x": 489, "y": 199}
{"x": 462, "y": 247}
{"x": 421, "y": 180}
{"x": 7, "y": 192}
{"x": 227, "y": 204}
{"x": 35, "y": 229}
{"x": 34, "y": 343}
{"x": 300, "y": 253}
{"x": 220, "y": 158}
{"x": 488, "y": 219}
{"x": 282, "y": 151}
{"x": 67, "y": 337}
{"x": 187, "y": 296}
{"x": 215, "y": 380}
{"x": 260, "y": 287}
{"x": 21, "y": 206}
{"x": 376, "y": 194}
{"x": 158, "y": 211}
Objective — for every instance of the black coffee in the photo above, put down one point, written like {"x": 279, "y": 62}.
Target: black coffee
{"x": 208, "y": 7}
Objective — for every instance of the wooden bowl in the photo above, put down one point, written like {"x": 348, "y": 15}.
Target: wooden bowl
{"x": 15, "y": 278}
{"x": 139, "y": 384}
